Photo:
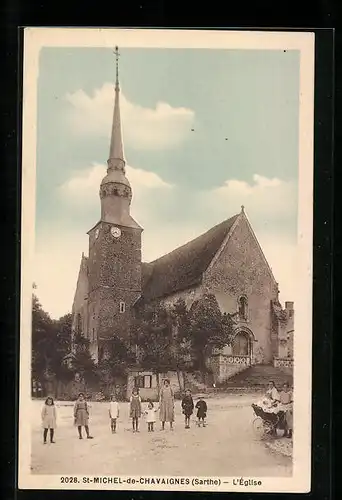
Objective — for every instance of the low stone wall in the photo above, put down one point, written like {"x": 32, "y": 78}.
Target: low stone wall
{"x": 226, "y": 366}
{"x": 283, "y": 362}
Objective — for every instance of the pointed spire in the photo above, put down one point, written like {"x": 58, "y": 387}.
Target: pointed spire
{"x": 116, "y": 157}
{"x": 117, "y": 55}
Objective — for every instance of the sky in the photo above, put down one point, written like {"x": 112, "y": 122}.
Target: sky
{"x": 204, "y": 131}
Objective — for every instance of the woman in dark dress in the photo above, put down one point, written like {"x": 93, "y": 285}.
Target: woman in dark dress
{"x": 202, "y": 409}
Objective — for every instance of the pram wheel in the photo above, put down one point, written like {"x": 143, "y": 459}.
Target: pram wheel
{"x": 258, "y": 426}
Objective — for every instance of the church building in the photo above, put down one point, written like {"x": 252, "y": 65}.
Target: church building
{"x": 226, "y": 261}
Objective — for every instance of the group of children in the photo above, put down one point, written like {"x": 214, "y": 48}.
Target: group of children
{"x": 188, "y": 408}
{"x": 81, "y": 414}
{"x": 81, "y": 418}
{"x": 279, "y": 402}
{"x": 136, "y": 412}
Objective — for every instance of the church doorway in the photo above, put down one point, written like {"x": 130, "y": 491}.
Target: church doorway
{"x": 241, "y": 345}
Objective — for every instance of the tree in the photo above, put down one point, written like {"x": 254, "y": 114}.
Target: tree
{"x": 209, "y": 329}
{"x": 181, "y": 350}
{"x": 152, "y": 333}
{"x": 182, "y": 320}
{"x": 63, "y": 328}
{"x": 115, "y": 364}
{"x": 83, "y": 362}
{"x": 227, "y": 332}
{"x": 50, "y": 344}
{"x": 178, "y": 338}
{"x": 43, "y": 341}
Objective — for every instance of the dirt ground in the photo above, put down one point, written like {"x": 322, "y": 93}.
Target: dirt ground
{"x": 226, "y": 447}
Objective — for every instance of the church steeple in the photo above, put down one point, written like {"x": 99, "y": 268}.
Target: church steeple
{"x": 116, "y": 156}
{"x": 115, "y": 189}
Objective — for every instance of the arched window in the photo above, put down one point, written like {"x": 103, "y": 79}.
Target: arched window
{"x": 241, "y": 345}
{"x": 122, "y": 307}
{"x": 243, "y": 308}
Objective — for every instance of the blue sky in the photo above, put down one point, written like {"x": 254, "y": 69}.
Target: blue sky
{"x": 205, "y": 131}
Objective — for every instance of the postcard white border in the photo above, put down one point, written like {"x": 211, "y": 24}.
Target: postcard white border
{"x": 34, "y": 40}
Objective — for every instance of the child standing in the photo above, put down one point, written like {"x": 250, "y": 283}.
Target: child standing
{"x": 150, "y": 416}
{"x": 202, "y": 409}
{"x": 49, "y": 419}
{"x": 81, "y": 416}
{"x": 113, "y": 412}
{"x": 135, "y": 409}
{"x": 187, "y": 407}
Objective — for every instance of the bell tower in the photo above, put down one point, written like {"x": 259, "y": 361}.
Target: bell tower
{"x": 114, "y": 264}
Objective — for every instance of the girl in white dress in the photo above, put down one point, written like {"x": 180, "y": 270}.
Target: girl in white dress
{"x": 150, "y": 416}
{"x": 113, "y": 413}
{"x": 49, "y": 419}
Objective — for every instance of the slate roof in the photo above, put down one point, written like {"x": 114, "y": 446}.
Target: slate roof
{"x": 184, "y": 266}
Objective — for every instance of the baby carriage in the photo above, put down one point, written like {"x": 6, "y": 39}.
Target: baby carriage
{"x": 266, "y": 423}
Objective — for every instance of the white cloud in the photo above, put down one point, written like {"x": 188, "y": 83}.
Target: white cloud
{"x": 144, "y": 179}
{"x": 57, "y": 260}
{"x": 280, "y": 253}
{"x": 270, "y": 204}
{"x": 144, "y": 128}
{"x": 265, "y": 198}
{"x": 83, "y": 187}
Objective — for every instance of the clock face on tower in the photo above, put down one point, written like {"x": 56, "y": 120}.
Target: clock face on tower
{"x": 97, "y": 233}
{"x": 115, "y": 231}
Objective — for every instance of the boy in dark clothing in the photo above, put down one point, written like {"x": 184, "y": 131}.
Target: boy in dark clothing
{"x": 187, "y": 407}
{"x": 202, "y": 409}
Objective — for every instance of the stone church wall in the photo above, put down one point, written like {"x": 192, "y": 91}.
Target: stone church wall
{"x": 240, "y": 270}
{"x": 80, "y": 305}
{"x": 115, "y": 282}
{"x": 115, "y": 262}
{"x": 283, "y": 330}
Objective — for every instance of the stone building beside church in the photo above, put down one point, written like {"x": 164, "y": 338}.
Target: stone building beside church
{"x": 226, "y": 261}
